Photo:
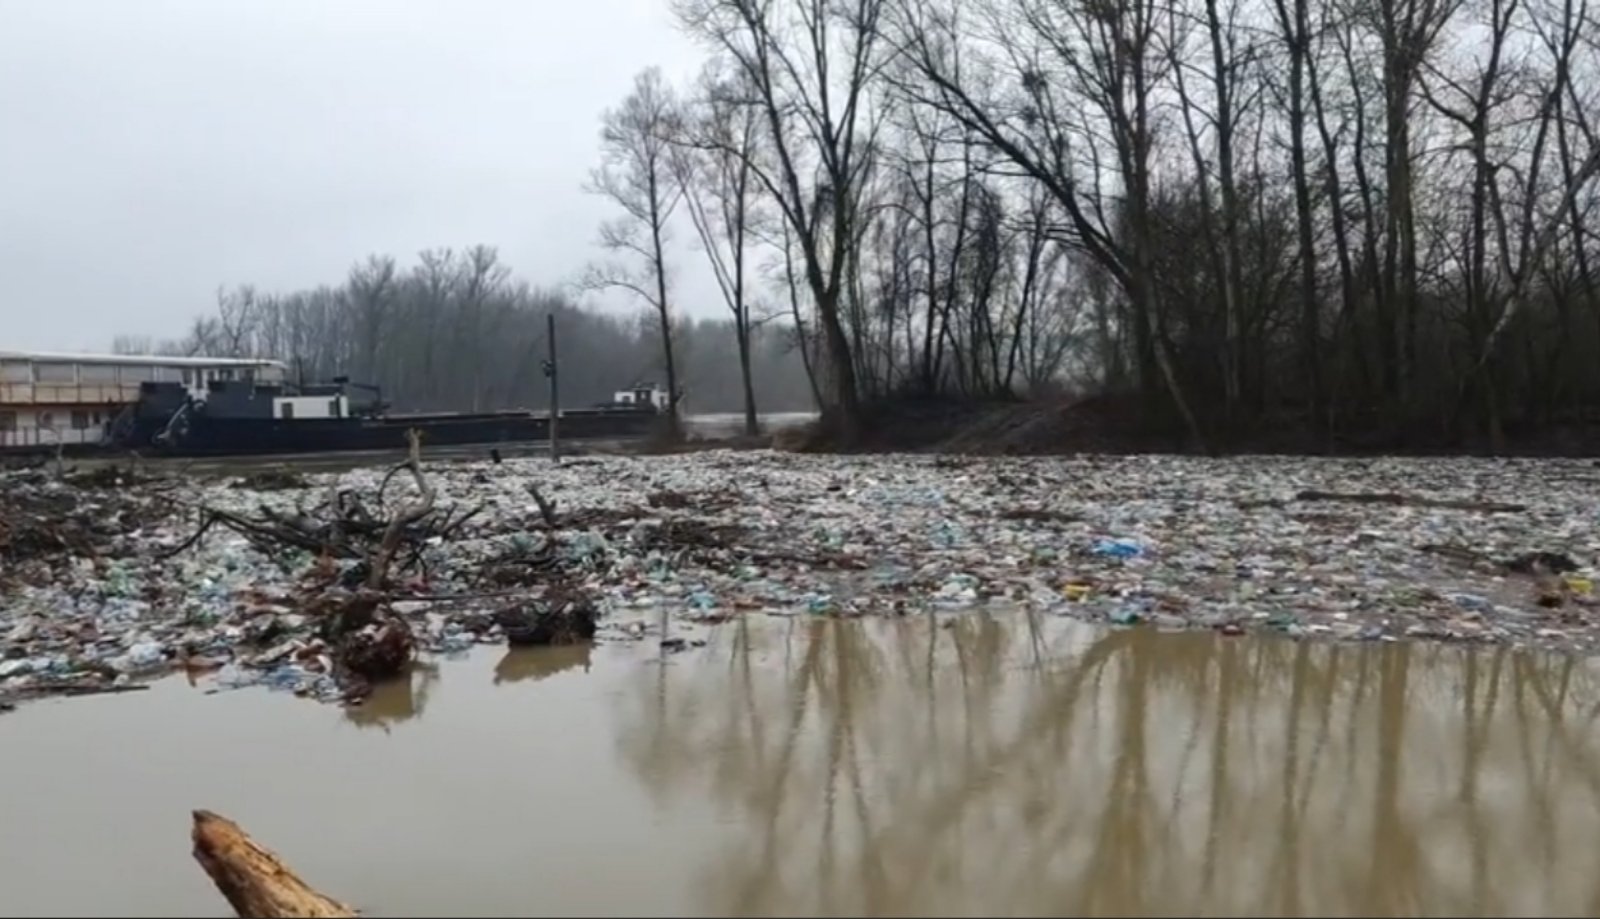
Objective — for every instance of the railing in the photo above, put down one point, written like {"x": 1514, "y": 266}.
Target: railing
{"x": 25, "y": 438}
{"x": 75, "y": 393}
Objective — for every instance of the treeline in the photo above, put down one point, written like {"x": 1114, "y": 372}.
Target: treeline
{"x": 1358, "y": 217}
{"x": 456, "y": 332}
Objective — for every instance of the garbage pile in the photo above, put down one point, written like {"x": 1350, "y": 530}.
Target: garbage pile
{"x": 321, "y": 583}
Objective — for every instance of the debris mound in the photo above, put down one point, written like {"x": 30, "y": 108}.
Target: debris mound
{"x": 564, "y": 616}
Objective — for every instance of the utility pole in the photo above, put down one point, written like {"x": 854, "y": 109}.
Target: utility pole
{"x": 553, "y": 372}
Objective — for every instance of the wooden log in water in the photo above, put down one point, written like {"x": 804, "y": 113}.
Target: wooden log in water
{"x": 255, "y": 881}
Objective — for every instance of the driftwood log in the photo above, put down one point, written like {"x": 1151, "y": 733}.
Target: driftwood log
{"x": 1392, "y": 498}
{"x": 252, "y": 877}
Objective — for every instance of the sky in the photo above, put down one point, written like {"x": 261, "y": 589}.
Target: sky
{"x": 151, "y": 150}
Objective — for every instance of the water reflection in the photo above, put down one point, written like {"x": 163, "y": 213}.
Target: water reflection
{"x": 394, "y": 701}
{"x": 534, "y": 664}
{"x": 1011, "y": 766}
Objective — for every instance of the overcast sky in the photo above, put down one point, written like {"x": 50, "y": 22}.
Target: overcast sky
{"x": 153, "y": 149}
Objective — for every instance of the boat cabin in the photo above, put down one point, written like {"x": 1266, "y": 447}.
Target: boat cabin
{"x": 52, "y": 398}
{"x": 643, "y": 394}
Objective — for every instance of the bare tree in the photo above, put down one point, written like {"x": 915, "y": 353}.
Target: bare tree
{"x": 711, "y": 164}
{"x": 809, "y": 66}
{"x": 133, "y": 344}
{"x": 637, "y": 175}
{"x": 1294, "y": 30}
{"x": 372, "y": 291}
{"x": 434, "y": 303}
{"x": 482, "y": 278}
{"x": 1076, "y": 72}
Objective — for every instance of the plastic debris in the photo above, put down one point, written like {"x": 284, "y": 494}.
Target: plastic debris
{"x": 1119, "y": 548}
{"x": 101, "y": 582}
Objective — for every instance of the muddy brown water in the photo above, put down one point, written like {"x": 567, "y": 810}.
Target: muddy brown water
{"x": 806, "y": 767}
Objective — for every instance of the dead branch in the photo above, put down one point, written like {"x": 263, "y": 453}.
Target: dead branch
{"x": 379, "y": 568}
{"x": 547, "y": 509}
{"x": 383, "y": 487}
{"x": 252, "y": 878}
{"x": 268, "y": 534}
{"x": 1489, "y": 507}
{"x": 1388, "y": 498}
{"x": 1459, "y": 554}
{"x": 472, "y": 597}
{"x": 207, "y": 518}
{"x": 450, "y": 527}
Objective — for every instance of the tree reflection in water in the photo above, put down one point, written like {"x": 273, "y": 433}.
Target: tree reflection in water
{"x": 538, "y": 663}
{"x": 394, "y": 701}
{"x": 1005, "y": 764}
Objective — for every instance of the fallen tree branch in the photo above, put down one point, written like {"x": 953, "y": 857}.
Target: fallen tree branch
{"x": 1460, "y": 554}
{"x": 1391, "y": 498}
{"x": 411, "y": 513}
{"x": 457, "y": 598}
{"x": 1490, "y": 507}
{"x": 206, "y": 520}
{"x": 252, "y": 878}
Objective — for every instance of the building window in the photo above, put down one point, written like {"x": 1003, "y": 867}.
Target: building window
{"x": 47, "y": 421}
{"x": 138, "y": 373}
{"x": 333, "y": 408}
{"x": 56, "y": 372}
{"x": 8, "y": 422}
{"x": 80, "y": 421}
{"x": 16, "y": 372}
{"x": 98, "y": 373}
{"x": 286, "y": 410}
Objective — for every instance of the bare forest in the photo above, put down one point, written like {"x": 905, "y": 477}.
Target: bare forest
{"x": 1363, "y": 220}
{"x": 455, "y": 332}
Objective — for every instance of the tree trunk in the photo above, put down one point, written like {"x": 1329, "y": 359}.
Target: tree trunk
{"x": 673, "y": 422}
{"x": 1231, "y": 279}
{"x": 799, "y": 321}
{"x": 1298, "y": 32}
{"x": 846, "y": 405}
{"x": 1341, "y": 236}
{"x": 742, "y": 330}
{"x": 252, "y": 878}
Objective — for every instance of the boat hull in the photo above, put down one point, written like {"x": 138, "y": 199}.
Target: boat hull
{"x": 263, "y": 436}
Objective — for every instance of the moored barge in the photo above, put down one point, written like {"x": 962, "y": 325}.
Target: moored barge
{"x": 248, "y": 418}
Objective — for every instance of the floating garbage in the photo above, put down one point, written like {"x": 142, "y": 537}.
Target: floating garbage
{"x": 1118, "y": 548}
{"x": 141, "y": 657}
{"x": 101, "y": 581}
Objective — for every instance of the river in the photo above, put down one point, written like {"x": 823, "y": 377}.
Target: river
{"x": 995, "y": 765}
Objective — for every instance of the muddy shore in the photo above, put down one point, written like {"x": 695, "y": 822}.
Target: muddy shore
{"x": 105, "y": 581}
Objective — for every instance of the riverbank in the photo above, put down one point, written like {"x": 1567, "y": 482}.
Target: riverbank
{"x": 107, "y": 581}
{"x": 1120, "y": 426}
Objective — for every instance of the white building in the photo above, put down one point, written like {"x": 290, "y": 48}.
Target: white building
{"x": 49, "y": 398}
